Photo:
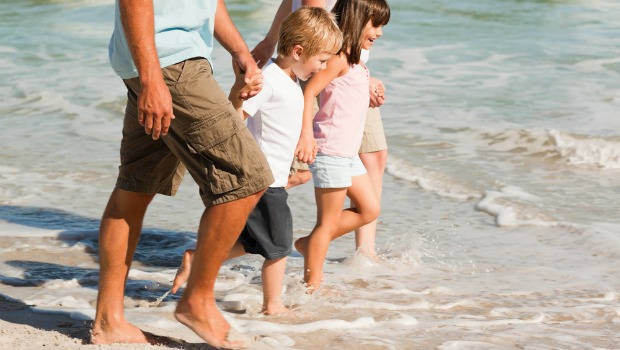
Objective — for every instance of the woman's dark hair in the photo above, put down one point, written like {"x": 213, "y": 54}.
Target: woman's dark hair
{"x": 352, "y": 17}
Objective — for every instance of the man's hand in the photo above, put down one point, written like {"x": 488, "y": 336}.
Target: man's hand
{"x": 253, "y": 76}
{"x": 155, "y": 108}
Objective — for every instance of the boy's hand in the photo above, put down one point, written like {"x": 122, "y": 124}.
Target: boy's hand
{"x": 377, "y": 93}
{"x": 306, "y": 148}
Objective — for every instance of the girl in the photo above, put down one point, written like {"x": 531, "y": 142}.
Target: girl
{"x": 333, "y": 139}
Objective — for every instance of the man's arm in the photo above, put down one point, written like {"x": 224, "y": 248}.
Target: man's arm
{"x": 227, "y": 34}
{"x": 154, "y": 102}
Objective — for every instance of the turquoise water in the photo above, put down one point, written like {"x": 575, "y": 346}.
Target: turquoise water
{"x": 499, "y": 228}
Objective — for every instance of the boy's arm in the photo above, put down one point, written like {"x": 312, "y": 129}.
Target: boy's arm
{"x": 227, "y": 34}
{"x": 234, "y": 96}
{"x": 264, "y": 49}
{"x": 154, "y": 102}
{"x": 306, "y": 147}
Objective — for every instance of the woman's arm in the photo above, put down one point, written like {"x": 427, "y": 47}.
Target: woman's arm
{"x": 264, "y": 49}
{"x": 314, "y": 3}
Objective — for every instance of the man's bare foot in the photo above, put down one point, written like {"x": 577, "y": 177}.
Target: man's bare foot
{"x": 208, "y": 323}
{"x": 278, "y": 309}
{"x": 125, "y": 332}
{"x": 183, "y": 271}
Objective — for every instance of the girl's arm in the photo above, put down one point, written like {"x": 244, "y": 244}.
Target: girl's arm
{"x": 307, "y": 147}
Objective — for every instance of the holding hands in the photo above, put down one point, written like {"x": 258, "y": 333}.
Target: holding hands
{"x": 245, "y": 68}
{"x": 377, "y": 90}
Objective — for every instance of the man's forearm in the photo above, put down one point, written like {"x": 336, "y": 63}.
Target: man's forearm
{"x": 226, "y": 33}
{"x": 138, "y": 19}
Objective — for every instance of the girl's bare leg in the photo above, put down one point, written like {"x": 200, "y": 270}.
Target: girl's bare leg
{"x": 329, "y": 203}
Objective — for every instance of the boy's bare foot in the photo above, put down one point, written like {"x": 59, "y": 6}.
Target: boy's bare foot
{"x": 183, "y": 271}
{"x": 207, "y": 322}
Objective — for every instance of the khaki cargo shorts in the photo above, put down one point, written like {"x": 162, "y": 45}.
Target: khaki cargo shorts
{"x": 207, "y": 137}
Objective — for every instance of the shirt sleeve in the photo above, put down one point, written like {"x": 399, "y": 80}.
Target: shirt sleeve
{"x": 254, "y": 104}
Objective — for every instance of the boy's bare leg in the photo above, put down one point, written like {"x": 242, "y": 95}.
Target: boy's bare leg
{"x": 299, "y": 178}
{"x": 273, "y": 276}
{"x": 183, "y": 271}
{"x": 375, "y": 163}
{"x": 219, "y": 229}
{"x": 118, "y": 237}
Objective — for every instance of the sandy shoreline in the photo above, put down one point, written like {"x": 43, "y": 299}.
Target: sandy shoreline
{"x": 21, "y": 328}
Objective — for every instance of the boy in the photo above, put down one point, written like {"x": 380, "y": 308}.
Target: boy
{"x": 307, "y": 39}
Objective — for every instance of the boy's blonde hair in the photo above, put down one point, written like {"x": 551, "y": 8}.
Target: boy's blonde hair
{"x": 312, "y": 28}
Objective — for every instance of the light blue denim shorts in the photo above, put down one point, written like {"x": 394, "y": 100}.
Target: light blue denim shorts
{"x": 335, "y": 172}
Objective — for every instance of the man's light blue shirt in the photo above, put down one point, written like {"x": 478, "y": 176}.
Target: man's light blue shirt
{"x": 183, "y": 30}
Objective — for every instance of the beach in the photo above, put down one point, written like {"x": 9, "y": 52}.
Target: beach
{"x": 499, "y": 226}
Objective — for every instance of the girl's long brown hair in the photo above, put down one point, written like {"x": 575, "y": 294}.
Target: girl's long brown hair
{"x": 352, "y": 16}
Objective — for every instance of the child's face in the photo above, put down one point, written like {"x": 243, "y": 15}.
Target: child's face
{"x": 370, "y": 34}
{"x": 305, "y": 68}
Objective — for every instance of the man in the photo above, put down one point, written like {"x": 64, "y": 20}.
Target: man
{"x": 177, "y": 118}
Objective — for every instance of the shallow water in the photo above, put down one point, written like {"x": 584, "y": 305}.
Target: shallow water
{"x": 499, "y": 227}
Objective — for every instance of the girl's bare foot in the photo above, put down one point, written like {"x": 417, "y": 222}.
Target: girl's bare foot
{"x": 278, "y": 309}
{"x": 302, "y": 245}
{"x": 183, "y": 271}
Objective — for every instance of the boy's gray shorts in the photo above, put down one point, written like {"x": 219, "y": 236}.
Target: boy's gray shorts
{"x": 269, "y": 229}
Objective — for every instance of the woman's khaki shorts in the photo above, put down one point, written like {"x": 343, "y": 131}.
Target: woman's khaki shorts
{"x": 207, "y": 137}
{"x": 374, "y": 136}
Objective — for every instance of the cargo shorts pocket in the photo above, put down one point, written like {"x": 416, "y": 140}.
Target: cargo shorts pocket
{"x": 219, "y": 149}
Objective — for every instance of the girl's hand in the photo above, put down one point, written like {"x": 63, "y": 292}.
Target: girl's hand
{"x": 306, "y": 148}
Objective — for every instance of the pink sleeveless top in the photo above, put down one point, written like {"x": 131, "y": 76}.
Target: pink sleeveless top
{"x": 339, "y": 123}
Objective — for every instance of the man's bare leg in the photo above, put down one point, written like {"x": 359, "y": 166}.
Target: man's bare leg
{"x": 219, "y": 229}
{"x": 118, "y": 237}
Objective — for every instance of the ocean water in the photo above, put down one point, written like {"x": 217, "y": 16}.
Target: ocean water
{"x": 499, "y": 226}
